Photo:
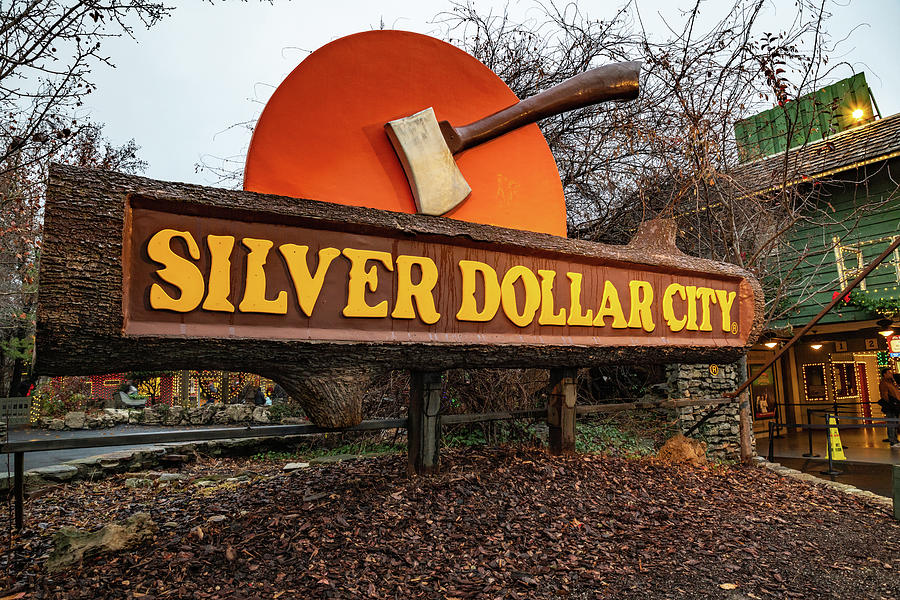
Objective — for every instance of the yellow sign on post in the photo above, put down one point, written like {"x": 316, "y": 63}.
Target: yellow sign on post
{"x": 834, "y": 440}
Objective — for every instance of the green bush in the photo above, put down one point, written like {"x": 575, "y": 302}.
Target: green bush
{"x": 608, "y": 438}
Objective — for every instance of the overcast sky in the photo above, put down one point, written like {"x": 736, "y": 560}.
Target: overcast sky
{"x": 178, "y": 86}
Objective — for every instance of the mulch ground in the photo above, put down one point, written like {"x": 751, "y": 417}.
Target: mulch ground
{"x": 497, "y": 523}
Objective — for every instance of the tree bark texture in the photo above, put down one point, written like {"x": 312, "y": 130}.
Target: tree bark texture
{"x": 80, "y": 306}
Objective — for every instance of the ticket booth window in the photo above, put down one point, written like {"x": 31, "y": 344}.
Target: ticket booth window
{"x": 814, "y": 382}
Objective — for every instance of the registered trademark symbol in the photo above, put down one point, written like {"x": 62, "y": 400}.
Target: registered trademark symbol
{"x": 713, "y": 369}
{"x": 734, "y": 328}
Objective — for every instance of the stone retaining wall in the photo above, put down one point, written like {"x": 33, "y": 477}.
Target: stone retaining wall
{"x": 124, "y": 461}
{"x": 722, "y": 431}
{"x": 163, "y": 414}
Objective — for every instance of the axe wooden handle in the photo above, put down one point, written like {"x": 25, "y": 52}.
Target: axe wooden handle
{"x": 617, "y": 81}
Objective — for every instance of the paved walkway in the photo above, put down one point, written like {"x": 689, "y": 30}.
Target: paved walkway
{"x": 860, "y": 445}
{"x": 33, "y": 460}
{"x": 868, "y": 464}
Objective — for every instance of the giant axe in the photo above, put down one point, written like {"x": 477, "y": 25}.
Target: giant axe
{"x": 426, "y": 147}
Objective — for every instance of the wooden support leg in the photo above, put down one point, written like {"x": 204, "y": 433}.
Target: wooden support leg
{"x": 561, "y": 412}
{"x": 185, "y": 387}
{"x": 746, "y": 425}
{"x": 424, "y": 428}
{"x": 19, "y": 485}
{"x": 223, "y": 388}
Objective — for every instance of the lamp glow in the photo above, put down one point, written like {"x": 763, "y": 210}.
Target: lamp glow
{"x": 770, "y": 344}
{"x": 816, "y": 346}
{"x": 858, "y": 114}
{"x": 886, "y": 332}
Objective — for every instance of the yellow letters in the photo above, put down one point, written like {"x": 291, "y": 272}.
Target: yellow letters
{"x": 360, "y": 279}
{"x": 691, "y": 307}
{"x": 705, "y": 294}
{"x": 532, "y": 295}
{"x": 610, "y": 307}
{"x": 220, "y": 247}
{"x": 726, "y": 300}
{"x": 576, "y": 317}
{"x": 669, "y": 310}
{"x": 255, "y": 287}
{"x": 641, "y": 302}
{"x": 178, "y": 271}
{"x": 468, "y": 310}
{"x": 422, "y": 291}
{"x": 306, "y": 285}
{"x": 547, "y": 317}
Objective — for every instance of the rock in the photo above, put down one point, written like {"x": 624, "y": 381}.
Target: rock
{"x": 238, "y": 413}
{"x": 217, "y": 518}
{"x": 55, "y": 472}
{"x": 679, "y": 449}
{"x": 204, "y": 483}
{"x": 135, "y": 416}
{"x": 293, "y": 466}
{"x": 119, "y": 415}
{"x": 260, "y": 414}
{"x": 56, "y": 424}
{"x": 70, "y": 545}
{"x": 208, "y": 413}
{"x": 172, "y": 477}
{"x": 93, "y": 422}
{"x": 138, "y": 482}
{"x": 150, "y": 417}
{"x": 294, "y": 421}
{"x": 75, "y": 420}
{"x": 194, "y": 416}
{"x": 171, "y": 524}
{"x": 175, "y": 415}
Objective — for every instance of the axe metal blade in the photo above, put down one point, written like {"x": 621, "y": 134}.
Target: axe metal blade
{"x": 436, "y": 182}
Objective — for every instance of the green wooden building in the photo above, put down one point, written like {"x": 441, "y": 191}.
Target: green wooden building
{"x": 845, "y": 189}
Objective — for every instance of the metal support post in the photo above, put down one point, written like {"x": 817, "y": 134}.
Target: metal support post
{"x": 19, "y": 485}
{"x": 771, "y": 457}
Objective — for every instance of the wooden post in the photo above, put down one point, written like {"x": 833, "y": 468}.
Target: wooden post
{"x": 185, "y": 387}
{"x": 19, "y": 485}
{"x": 424, "y": 431}
{"x": 561, "y": 411}
{"x": 746, "y": 425}
{"x": 223, "y": 388}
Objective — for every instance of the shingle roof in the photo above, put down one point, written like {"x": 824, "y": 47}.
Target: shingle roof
{"x": 875, "y": 141}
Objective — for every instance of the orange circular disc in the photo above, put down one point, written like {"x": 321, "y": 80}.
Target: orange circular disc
{"x": 321, "y": 135}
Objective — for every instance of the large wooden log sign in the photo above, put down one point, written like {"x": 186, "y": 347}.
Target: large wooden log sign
{"x": 317, "y": 294}
{"x": 144, "y": 274}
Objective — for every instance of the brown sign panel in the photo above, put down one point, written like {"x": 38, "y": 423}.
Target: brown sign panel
{"x": 208, "y": 275}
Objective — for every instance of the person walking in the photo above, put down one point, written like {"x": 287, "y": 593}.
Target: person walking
{"x": 890, "y": 404}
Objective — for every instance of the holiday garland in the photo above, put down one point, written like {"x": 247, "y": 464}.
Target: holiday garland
{"x": 885, "y": 306}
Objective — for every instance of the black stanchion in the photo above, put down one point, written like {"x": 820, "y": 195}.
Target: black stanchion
{"x": 809, "y": 454}
{"x": 771, "y": 457}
